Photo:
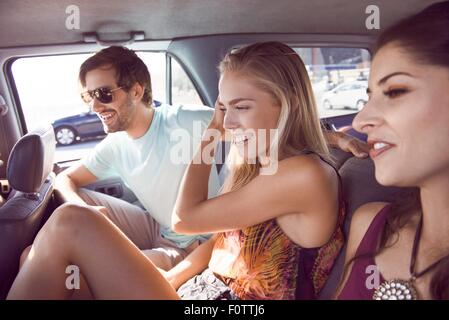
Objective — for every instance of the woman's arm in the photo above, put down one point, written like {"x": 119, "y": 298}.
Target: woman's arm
{"x": 294, "y": 188}
{"x": 297, "y": 187}
{"x": 192, "y": 265}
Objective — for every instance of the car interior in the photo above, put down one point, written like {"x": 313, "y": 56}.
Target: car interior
{"x": 191, "y": 34}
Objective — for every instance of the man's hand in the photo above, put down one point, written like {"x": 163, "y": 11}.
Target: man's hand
{"x": 348, "y": 143}
{"x": 70, "y": 180}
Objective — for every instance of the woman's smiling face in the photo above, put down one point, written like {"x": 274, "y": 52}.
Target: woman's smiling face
{"x": 248, "y": 109}
{"x": 406, "y": 118}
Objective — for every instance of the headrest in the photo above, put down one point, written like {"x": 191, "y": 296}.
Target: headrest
{"x": 31, "y": 160}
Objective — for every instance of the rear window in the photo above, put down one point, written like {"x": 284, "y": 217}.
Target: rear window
{"x": 339, "y": 78}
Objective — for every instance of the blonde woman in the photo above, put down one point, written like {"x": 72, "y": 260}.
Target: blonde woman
{"x": 276, "y": 223}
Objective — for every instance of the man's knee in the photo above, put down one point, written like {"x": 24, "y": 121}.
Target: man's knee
{"x": 72, "y": 217}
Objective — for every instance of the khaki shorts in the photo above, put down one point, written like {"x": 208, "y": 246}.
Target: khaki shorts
{"x": 137, "y": 224}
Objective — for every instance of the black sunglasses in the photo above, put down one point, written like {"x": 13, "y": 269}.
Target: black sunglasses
{"x": 104, "y": 95}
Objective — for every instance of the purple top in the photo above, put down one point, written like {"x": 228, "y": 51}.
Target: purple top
{"x": 355, "y": 287}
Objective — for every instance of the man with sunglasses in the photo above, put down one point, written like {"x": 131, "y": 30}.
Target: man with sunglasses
{"x": 117, "y": 86}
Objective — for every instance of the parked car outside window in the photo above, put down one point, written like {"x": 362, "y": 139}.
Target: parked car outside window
{"x": 347, "y": 95}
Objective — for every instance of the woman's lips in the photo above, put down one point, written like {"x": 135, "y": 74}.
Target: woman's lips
{"x": 379, "y": 147}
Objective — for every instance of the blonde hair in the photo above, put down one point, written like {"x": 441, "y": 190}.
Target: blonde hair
{"x": 278, "y": 70}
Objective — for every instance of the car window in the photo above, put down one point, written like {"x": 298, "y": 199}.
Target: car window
{"x": 337, "y": 68}
{"x": 48, "y": 90}
{"x": 183, "y": 91}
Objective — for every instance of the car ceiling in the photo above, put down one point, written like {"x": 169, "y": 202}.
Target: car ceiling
{"x": 31, "y": 22}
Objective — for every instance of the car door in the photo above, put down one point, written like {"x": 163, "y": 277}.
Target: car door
{"x": 359, "y": 95}
{"x": 340, "y": 96}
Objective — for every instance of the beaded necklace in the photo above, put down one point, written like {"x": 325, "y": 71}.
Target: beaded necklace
{"x": 398, "y": 289}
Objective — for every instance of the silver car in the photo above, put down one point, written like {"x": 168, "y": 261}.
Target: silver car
{"x": 346, "y": 95}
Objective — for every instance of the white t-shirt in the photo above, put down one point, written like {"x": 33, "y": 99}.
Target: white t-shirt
{"x": 153, "y": 165}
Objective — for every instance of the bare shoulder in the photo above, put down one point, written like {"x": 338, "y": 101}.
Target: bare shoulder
{"x": 364, "y": 215}
{"x": 311, "y": 180}
{"x": 360, "y": 222}
{"x": 319, "y": 179}
{"x": 307, "y": 167}
{"x": 314, "y": 190}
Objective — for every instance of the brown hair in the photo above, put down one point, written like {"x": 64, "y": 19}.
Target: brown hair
{"x": 424, "y": 37}
{"x": 129, "y": 69}
{"x": 278, "y": 70}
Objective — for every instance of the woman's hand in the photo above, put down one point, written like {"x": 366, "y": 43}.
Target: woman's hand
{"x": 217, "y": 122}
{"x": 170, "y": 278}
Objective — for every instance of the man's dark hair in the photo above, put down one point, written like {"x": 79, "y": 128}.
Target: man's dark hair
{"x": 129, "y": 69}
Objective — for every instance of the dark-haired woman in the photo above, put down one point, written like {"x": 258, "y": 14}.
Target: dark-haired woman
{"x": 401, "y": 251}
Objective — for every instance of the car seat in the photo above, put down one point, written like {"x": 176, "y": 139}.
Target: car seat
{"x": 29, "y": 174}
